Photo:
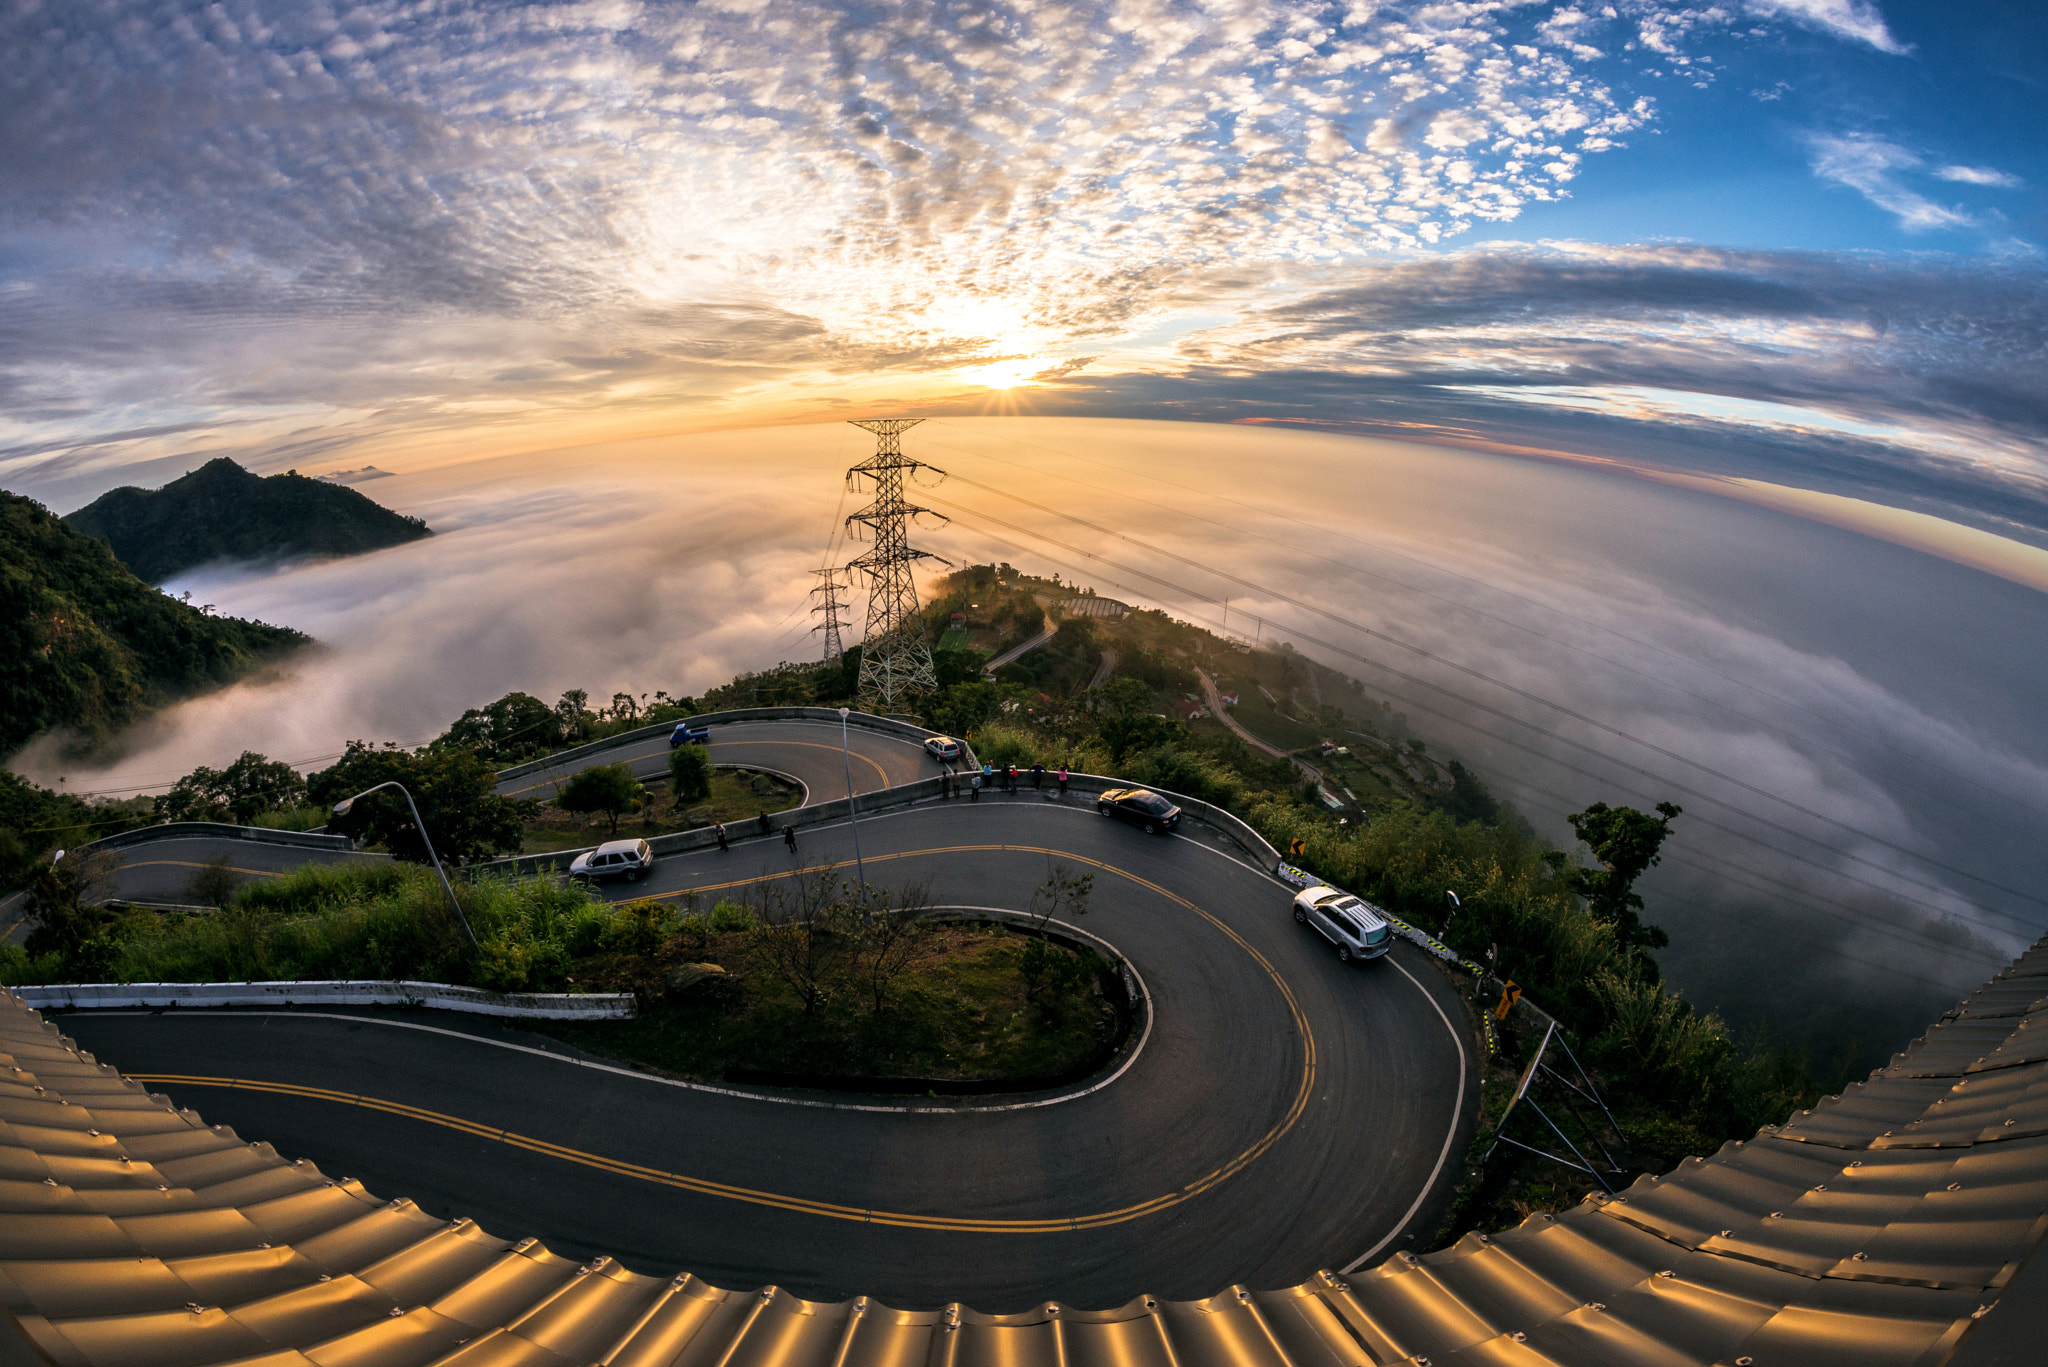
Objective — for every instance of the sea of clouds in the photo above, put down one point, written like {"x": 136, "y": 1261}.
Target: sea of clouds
{"x": 1851, "y": 726}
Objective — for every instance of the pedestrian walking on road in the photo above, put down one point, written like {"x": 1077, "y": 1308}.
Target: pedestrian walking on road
{"x": 720, "y": 825}
{"x": 974, "y": 793}
{"x": 1063, "y": 780}
{"x": 766, "y": 829}
{"x": 789, "y": 838}
{"x": 1037, "y": 777}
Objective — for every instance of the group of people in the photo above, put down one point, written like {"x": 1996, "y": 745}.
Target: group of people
{"x": 988, "y": 776}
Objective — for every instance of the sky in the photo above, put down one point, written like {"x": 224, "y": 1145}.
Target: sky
{"x": 1795, "y": 240}
{"x": 1681, "y": 366}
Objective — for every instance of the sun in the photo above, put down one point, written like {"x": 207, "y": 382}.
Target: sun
{"x": 1008, "y": 373}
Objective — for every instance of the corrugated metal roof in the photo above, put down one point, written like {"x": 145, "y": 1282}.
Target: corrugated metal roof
{"x": 1870, "y": 1230}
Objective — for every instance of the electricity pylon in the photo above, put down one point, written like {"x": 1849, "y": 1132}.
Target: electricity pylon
{"x": 895, "y": 657}
{"x": 830, "y": 586}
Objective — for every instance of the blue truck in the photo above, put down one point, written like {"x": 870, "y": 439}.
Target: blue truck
{"x": 686, "y": 734}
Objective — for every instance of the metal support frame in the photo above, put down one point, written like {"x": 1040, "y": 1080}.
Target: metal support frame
{"x": 895, "y": 658}
{"x": 1567, "y": 1091}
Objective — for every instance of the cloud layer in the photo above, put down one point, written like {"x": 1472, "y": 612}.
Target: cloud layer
{"x": 285, "y": 231}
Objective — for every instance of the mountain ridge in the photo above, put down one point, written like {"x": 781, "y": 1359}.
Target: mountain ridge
{"x": 223, "y": 512}
{"x": 85, "y": 644}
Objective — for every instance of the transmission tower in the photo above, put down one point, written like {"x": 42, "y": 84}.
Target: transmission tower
{"x": 895, "y": 657}
{"x": 830, "y": 586}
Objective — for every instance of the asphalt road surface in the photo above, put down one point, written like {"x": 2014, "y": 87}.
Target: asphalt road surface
{"x": 804, "y": 750}
{"x": 1287, "y": 1112}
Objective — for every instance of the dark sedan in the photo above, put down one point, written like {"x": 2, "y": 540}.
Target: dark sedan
{"x": 1140, "y": 808}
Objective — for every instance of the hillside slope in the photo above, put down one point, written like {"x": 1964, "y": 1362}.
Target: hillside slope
{"x": 222, "y": 512}
{"x": 86, "y": 644}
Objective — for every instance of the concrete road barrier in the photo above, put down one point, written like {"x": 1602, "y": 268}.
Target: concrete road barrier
{"x": 440, "y": 996}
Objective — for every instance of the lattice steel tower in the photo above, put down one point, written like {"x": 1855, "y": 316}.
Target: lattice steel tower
{"x": 895, "y": 657}
{"x": 830, "y": 586}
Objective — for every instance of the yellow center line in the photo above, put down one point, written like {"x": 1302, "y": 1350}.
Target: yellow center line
{"x": 832, "y": 1210}
{"x": 189, "y": 864}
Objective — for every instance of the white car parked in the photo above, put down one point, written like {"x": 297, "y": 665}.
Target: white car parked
{"x": 626, "y": 859}
{"x": 1354, "y": 926}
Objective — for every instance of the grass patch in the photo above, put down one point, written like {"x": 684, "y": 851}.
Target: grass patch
{"x": 1259, "y": 717}
{"x": 963, "y": 1012}
{"x": 736, "y": 795}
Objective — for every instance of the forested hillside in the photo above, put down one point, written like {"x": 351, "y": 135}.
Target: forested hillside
{"x": 222, "y": 512}
{"x": 85, "y": 644}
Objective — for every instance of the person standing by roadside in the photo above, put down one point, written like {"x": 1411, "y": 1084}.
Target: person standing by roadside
{"x": 1063, "y": 779}
{"x": 1013, "y": 780}
{"x": 766, "y": 829}
{"x": 1037, "y": 777}
{"x": 974, "y": 793}
{"x": 720, "y": 827}
{"x": 789, "y": 838}
{"x": 988, "y": 775}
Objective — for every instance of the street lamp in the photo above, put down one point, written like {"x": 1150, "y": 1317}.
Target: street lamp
{"x": 846, "y": 761}
{"x": 341, "y": 809}
{"x": 1455, "y": 904}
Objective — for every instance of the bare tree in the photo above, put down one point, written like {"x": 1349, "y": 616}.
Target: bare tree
{"x": 1063, "y": 893}
{"x": 799, "y": 934}
{"x": 891, "y": 938}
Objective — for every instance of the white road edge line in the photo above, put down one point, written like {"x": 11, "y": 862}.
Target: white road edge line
{"x": 1450, "y": 1134}
{"x": 1122, "y": 1068}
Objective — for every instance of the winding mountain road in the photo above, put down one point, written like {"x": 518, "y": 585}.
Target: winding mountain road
{"x": 1285, "y": 1112}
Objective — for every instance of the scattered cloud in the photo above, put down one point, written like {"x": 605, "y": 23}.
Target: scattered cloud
{"x": 1872, "y": 166}
{"x": 1858, "y": 20}
{"x": 254, "y": 231}
{"x": 1978, "y": 175}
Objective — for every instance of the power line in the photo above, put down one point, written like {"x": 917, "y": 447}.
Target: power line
{"x": 1538, "y": 699}
{"x": 1472, "y": 726}
{"x": 1293, "y": 518}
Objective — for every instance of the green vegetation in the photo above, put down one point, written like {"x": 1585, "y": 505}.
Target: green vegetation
{"x": 607, "y": 788}
{"x": 735, "y": 795}
{"x": 86, "y": 645}
{"x": 454, "y": 789}
{"x": 222, "y": 512}
{"x": 810, "y": 980}
{"x": 689, "y": 773}
{"x": 252, "y": 786}
{"x": 815, "y": 984}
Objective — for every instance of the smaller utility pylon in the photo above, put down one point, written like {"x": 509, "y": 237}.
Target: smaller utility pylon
{"x": 830, "y": 586}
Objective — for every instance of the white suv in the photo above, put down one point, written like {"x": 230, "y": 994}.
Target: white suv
{"x": 1353, "y": 925}
{"x": 626, "y": 859}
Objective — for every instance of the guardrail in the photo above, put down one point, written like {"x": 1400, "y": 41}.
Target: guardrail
{"x": 441, "y": 996}
{"x": 218, "y": 830}
{"x": 887, "y": 725}
{"x": 889, "y": 799}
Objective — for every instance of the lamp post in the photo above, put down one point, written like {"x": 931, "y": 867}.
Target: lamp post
{"x": 341, "y": 809}
{"x": 846, "y": 761}
{"x": 1455, "y": 905}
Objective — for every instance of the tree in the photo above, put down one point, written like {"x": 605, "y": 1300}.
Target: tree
{"x": 61, "y": 906}
{"x": 1625, "y": 841}
{"x": 455, "y": 790}
{"x": 253, "y": 784}
{"x": 608, "y": 788}
{"x": 1126, "y": 720}
{"x": 513, "y": 728}
{"x": 889, "y": 939}
{"x": 214, "y": 883}
{"x": 689, "y": 774}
